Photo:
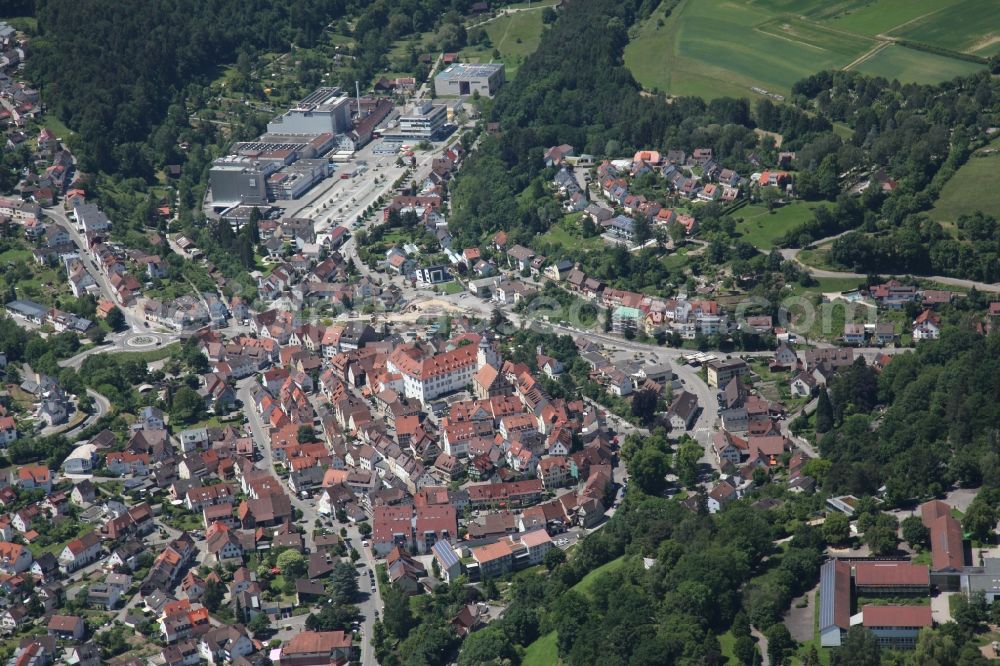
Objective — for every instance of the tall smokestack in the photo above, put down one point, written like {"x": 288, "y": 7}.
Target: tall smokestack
{"x": 357, "y": 90}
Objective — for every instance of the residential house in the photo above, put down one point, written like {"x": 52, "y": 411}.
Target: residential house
{"x": 14, "y": 558}
{"x": 927, "y": 326}
{"x": 66, "y": 627}
{"x": 80, "y": 552}
{"x": 682, "y": 411}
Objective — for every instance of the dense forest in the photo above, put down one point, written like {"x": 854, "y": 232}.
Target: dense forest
{"x": 111, "y": 70}
{"x": 939, "y": 426}
{"x": 922, "y": 246}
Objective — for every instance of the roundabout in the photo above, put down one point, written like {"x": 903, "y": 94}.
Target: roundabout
{"x": 142, "y": 340}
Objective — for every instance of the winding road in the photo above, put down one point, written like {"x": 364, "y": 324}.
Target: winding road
{"x": 792, "y": 254}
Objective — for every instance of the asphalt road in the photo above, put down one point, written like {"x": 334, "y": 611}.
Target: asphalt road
{"x": 792, "y": 255}
{"x": 134, "y": 321}
{"x": 369, "y": 602}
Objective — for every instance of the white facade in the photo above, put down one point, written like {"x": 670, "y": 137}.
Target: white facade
{"x": 423, "y": 121}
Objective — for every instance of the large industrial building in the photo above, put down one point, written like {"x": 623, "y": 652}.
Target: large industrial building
{"x": 240, "y": 180}
{"x": 423, "y": 121}
{"x": 462, "y": 79}
{"x": 325, "y": 111}
{"x": 289, "y": 159}
{"x": 293, "y": 181}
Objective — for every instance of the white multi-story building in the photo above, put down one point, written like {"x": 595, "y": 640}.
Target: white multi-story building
{"x": 428, "y": 377}
{"x": 423, "y": 121}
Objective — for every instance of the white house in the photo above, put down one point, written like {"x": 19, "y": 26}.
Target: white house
{"x": 8, "y": 430}
{"x": 80, "y": 552}
{"x": 927, "y": 326}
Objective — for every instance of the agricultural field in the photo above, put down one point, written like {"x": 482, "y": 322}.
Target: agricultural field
{"x": 972, "y": 26}
{"x": 713, "y": 48}
{"x": 880, "y": 17}
{"x": 971, "y": 188}
{"x": 898, "y": 62}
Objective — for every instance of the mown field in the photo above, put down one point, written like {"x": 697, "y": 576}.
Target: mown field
{"x": 543, "y": 652}
{"x": 972, "y": 188}
{"x": 713, "y": 48}
{"x": 762, "y": 228}
{"x": 515, "y": 36}
{"x": 898, "y": 62}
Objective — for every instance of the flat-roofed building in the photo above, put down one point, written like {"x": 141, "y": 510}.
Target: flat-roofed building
{"x": 239, "y": 180}
{"x": 464, "y": 79}
{"x": 423, "y": 121}
{"x": 324, "y": 111}
{"x": 720, "y": 371}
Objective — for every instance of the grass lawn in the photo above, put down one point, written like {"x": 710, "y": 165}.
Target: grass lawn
{"x": 57, "y": 126}
{"x": 539, "y": 4}
{"x": 712, "y": 48}
{"x": 824, "y": 285}
{"x": 157, "y": 354}
{"x": 818, "y": 258}
{"x": 762, "y": 228}
{"x": 515, "y": 36}
{"x": 55, "y": 548}
{"x": 14, "y": 255}
{"x": 970, "y": 189}
{"x": 23, "y": 23}
{"x": 676, "y": 261}
{"x": 453, "y": 287}
{"x": 566, "y": 233}
{"x": 588, "y": 581}
{"x": 531, "y": 571}
{"x": 543, "y": 652}
{"x": 726, "y": 643}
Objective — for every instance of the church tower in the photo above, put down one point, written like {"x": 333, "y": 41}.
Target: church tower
{"x": 486, "y": 354}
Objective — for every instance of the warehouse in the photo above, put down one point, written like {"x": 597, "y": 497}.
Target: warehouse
{"x": 461, "y": 80}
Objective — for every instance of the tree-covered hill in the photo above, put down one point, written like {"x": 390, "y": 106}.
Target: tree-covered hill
{"x": 938, "y": 426}
{"x": 110, "y": 70}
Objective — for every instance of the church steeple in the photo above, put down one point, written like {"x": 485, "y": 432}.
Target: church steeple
{"x": 486, "y": 354}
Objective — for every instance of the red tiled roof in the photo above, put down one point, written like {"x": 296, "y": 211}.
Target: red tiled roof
{"x": 947, "y": 548}
{"x": 897, "y": 616}
{"x": 842, "y": 595}
{"x": 891, "y": 574}
{"x": 313, "y": 642}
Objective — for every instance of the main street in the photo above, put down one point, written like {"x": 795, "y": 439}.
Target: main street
{"x": 134, "y": 320}
{"x": 369, "y": 602}
{"x": 617, "y": 347}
